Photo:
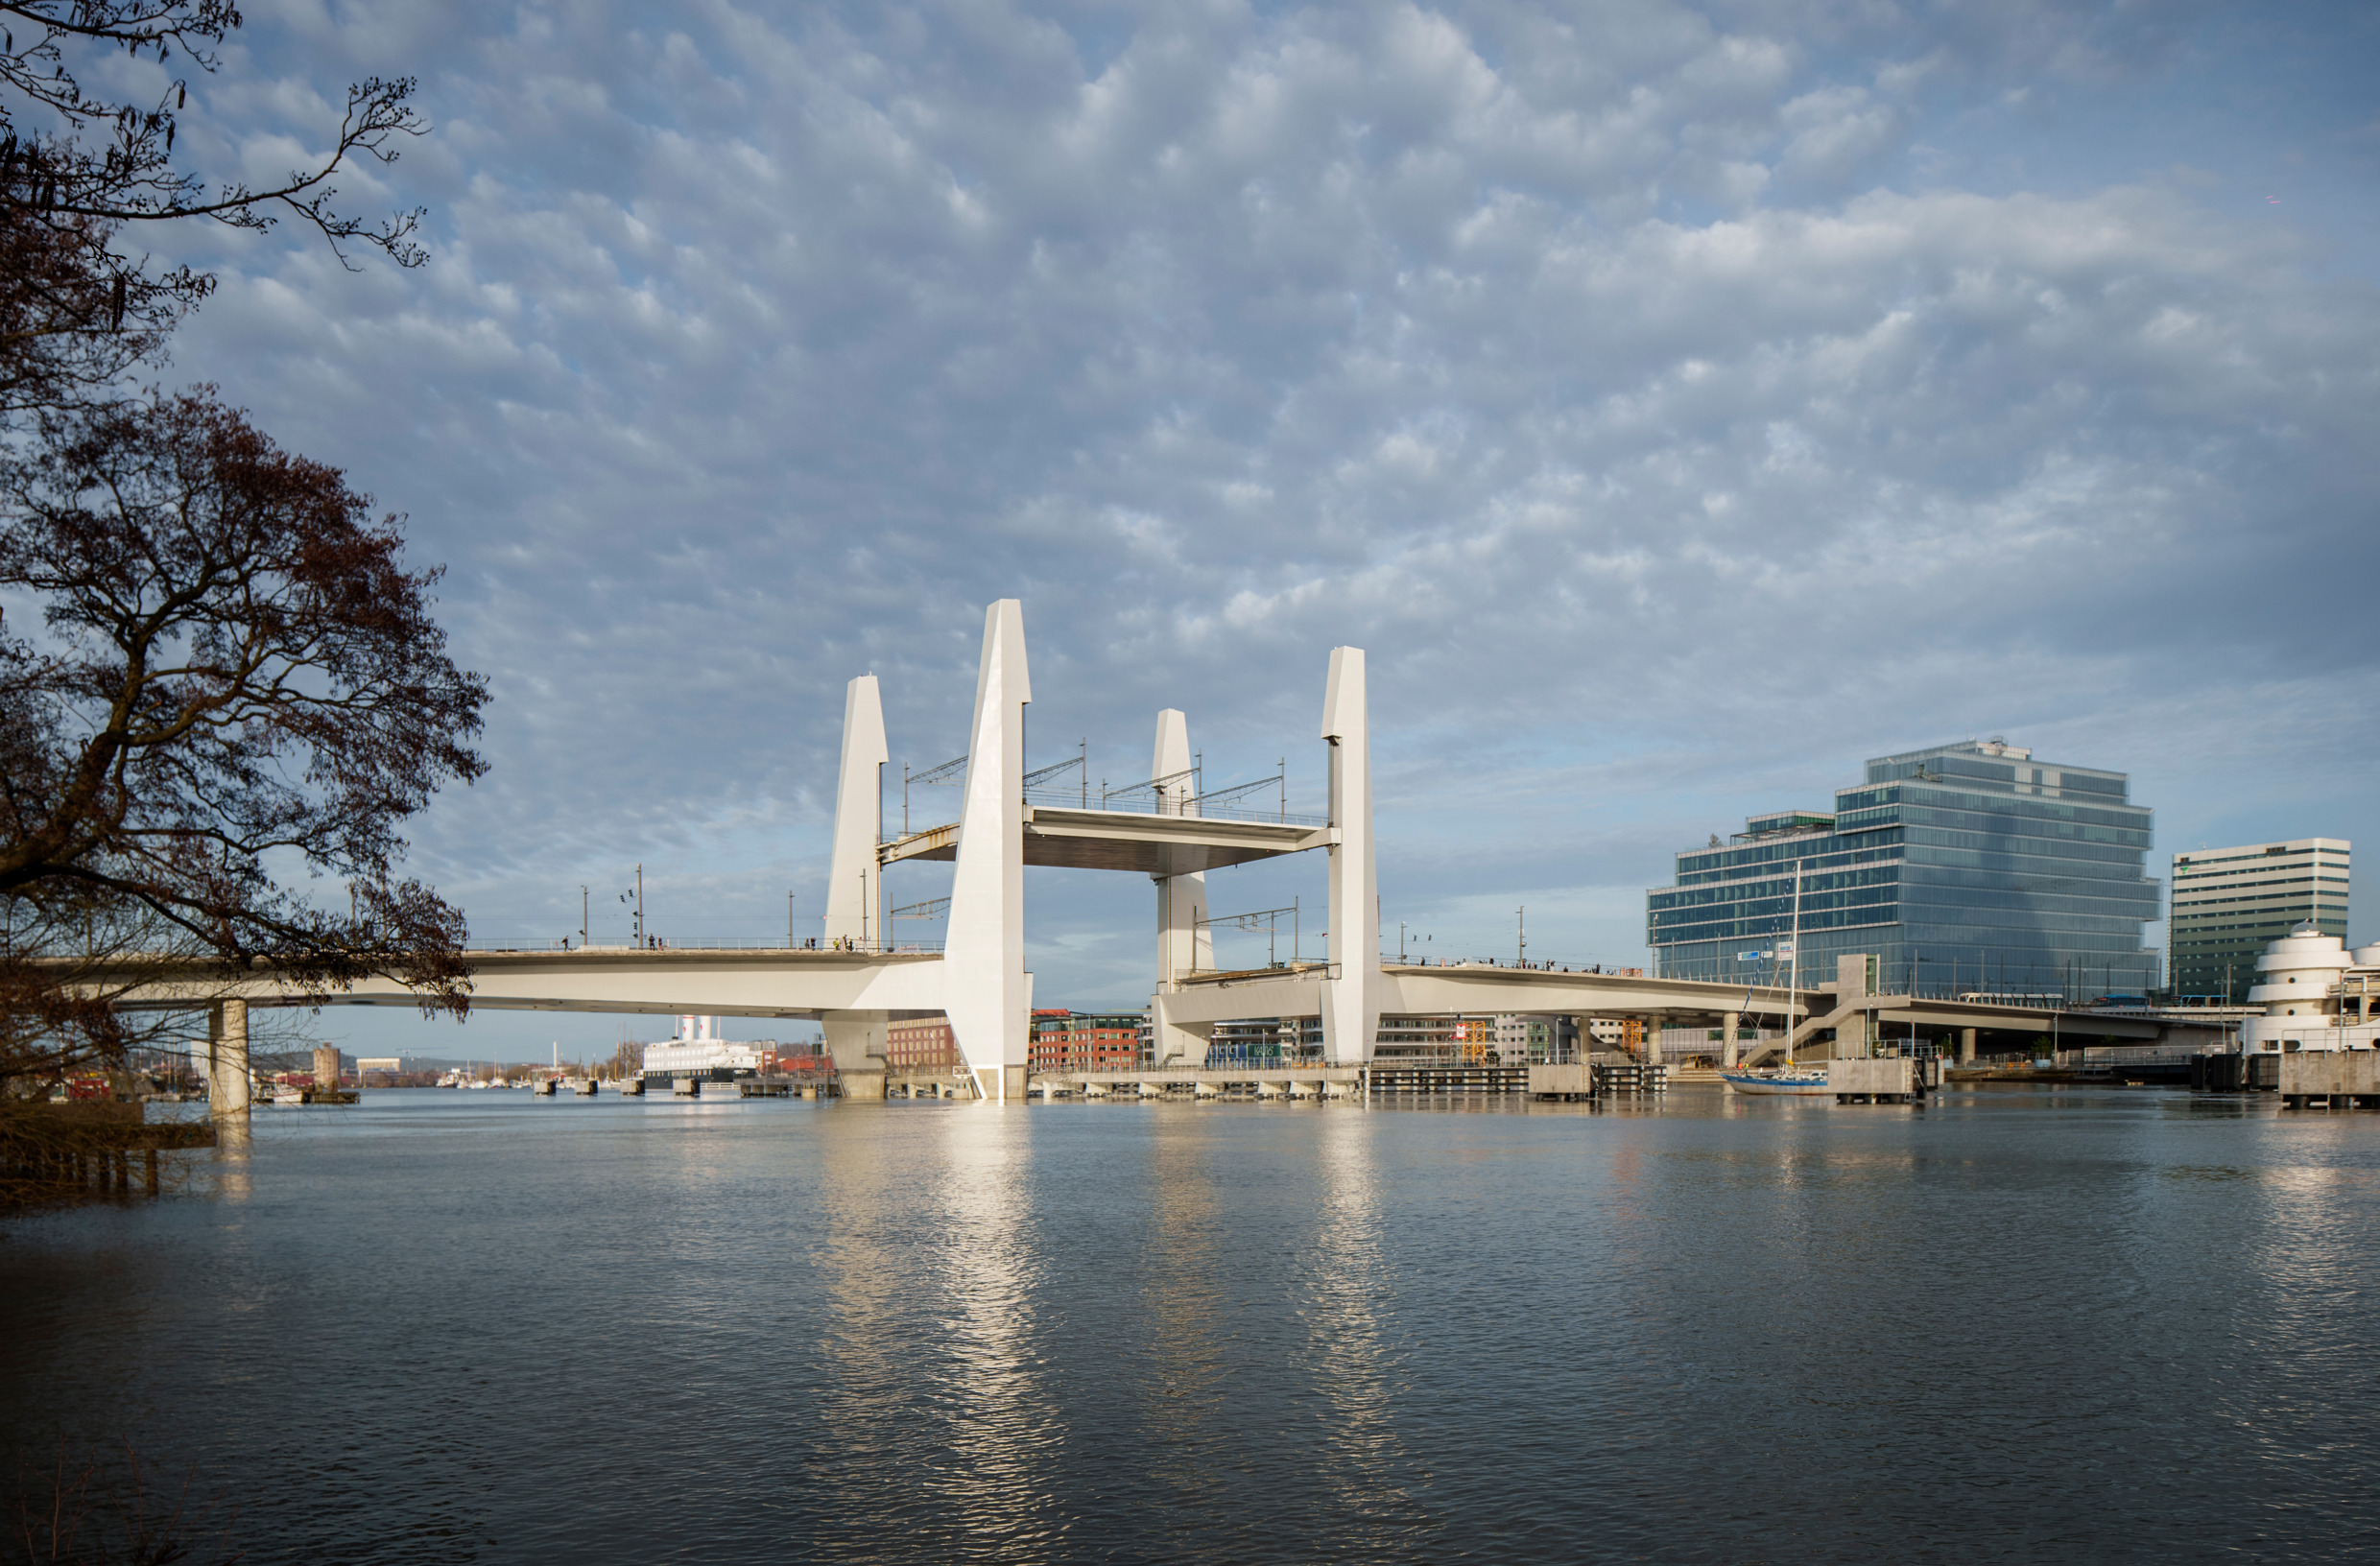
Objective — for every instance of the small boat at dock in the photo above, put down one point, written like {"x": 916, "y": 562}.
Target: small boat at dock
{"x": 1788, "y": 1080}
{"x": 1796, "y": 1082}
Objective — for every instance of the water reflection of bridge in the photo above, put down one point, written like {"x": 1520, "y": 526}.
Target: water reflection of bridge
{"x": 855, "y": 980}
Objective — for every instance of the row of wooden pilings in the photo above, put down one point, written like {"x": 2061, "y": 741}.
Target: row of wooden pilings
{"x": 65, "y": 1150}
{"x": 67, "y": 1170}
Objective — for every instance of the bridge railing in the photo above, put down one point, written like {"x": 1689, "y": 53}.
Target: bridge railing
{"x": 1212, "y": 809}
{"x": 1411, "y": 957}
{"x": 697, "y": 943}
{"x": 2012, "y": 995}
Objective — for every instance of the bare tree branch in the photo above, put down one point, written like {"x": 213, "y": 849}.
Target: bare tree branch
{"x": 81, "y": 172}
{"x": 238, "y": 668}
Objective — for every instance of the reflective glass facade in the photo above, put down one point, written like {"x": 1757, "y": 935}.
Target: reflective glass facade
{"x": 2231, "y": 903}
{"x": 1967, "y": 867}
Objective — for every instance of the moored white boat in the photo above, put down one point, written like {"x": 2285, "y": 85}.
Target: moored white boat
{"x": 1801, "y": 1082}
{"x": 1788, "y": 1080}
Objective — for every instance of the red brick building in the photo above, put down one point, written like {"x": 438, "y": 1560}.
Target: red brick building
{"x": 1085, "y": 1041}
{"x": 922, "y": 1045}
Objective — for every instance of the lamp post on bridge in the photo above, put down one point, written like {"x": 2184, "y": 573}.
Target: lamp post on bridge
{"x": 638, "y": 939}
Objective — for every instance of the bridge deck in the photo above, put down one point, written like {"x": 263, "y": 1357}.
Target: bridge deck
{"x": 751, "y": 981}
{"x": 1424, "y": 991}
{"x": 1066, "y": 838}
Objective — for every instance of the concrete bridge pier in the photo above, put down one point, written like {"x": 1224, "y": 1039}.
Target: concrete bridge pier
{"x": 1966, "y": 1046}
{"x": 1351, "y": 994}
{"x": 1730, "y": 1023}
{"x": 1183, "y": 943}
{"x": 1855, "y": 980}
{"x": 989, "y": 993}
{"x": 855, "y": 1040}
{"x": 853, "y": 905}
{"x": 1177, "y": 1043}
{"x": 230, "y": 1086}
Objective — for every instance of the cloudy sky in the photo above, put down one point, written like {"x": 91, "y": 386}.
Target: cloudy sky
{"x": 1680, "y": 402}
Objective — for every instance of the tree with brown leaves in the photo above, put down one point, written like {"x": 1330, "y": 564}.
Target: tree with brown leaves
{"x": 235, "y": 673}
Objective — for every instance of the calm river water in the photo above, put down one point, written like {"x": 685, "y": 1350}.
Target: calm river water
{"x": 2089, "y": 1325}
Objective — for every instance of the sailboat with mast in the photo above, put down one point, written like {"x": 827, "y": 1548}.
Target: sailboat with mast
{"x": 1786, "y": 1080}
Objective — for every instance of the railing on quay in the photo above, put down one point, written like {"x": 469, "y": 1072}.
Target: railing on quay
{"x": 2146, "y": 1054}
{"x": 1227, "y": 1058}
{"x": 1435, "y": 1057}
{"x": 2098, "y": 1056}
{"x": 1143, "y": 1067}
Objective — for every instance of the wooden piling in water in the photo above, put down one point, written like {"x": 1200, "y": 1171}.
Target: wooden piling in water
{"x": 87, "y": 1147}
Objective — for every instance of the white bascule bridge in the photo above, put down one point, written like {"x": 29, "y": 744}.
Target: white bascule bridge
{"x": 855, "y": 982}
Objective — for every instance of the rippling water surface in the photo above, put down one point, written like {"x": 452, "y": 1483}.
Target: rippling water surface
{"x": 449, "y": 1326}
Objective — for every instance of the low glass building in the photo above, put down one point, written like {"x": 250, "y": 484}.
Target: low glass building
{"x": 1967, "y": 868}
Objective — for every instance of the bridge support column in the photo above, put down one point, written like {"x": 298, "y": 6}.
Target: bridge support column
{"x": 1855, "y": 980}
{"x": 1966, "y": 1046}
{"x": 1178, "y": 1043}
{"x": 1183, "y": 943}
{"x": 853, "y": 904}
{"x": 855, "y": 1040}
{"x": 1351, "y": 994}
{"x": 1730, "y": 1023}
{"x": 228, "y": 1084}
{"x": 989, "y": 993}
{"x": 1648, "y": 1029}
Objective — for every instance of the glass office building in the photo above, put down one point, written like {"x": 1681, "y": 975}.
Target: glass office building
{"x": 2230, "y": 904}
{"x": 1967, "y": 868}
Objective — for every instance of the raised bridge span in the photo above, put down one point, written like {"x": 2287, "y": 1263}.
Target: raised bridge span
{"x": 855, "y": 983}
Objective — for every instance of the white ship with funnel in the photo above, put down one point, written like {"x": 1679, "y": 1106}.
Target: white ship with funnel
{"x": 695, "y": 1053}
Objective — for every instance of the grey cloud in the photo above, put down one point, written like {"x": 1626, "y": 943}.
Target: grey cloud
{"x": 1606, "y": 373}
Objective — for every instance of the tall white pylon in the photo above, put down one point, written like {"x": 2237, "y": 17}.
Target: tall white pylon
{"x": 851, "y": 890}
{"x": 1183, "y": 942}
{"x": 988, "y": 994}
{"x": 1351, "y": 994}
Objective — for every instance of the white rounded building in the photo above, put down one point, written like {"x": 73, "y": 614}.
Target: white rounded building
{"x": 2316, "y": 993}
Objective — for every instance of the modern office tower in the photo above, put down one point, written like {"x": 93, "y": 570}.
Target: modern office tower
{"x": 1962, "y": 867}
{"x": 2230, "y": 904}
